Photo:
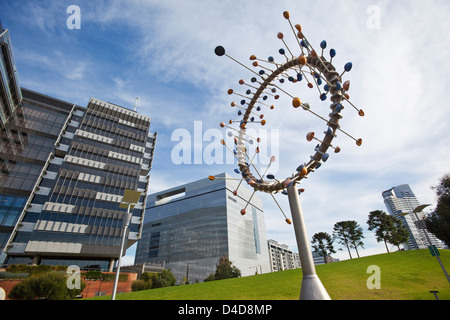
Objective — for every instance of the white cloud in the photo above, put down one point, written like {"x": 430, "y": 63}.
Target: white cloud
{"x": 399, "y": 78}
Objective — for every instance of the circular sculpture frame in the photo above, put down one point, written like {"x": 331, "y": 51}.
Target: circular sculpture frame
{"x": 320, "y": 69}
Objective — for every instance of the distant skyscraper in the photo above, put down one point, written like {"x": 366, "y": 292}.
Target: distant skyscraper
{"x": 400, "y": 200}
{"x": 191, "y": 226}
{"x": 72, "y": 216}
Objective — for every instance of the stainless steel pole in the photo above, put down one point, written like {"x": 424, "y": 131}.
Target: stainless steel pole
{"x": 126, "y": 222}
{"x": 312, "y": 288}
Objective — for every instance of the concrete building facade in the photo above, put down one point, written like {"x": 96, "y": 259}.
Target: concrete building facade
{"x": 191, "y": 226}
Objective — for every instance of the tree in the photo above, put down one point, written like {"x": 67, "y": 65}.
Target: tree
{"x": 387, "y": 228}
{"x": 224, "y": 270}
{"x": 438, "y": 222}
{"x": 323, "y": 243}
{"x": 349, "y": 234}
{"x": 356, "y": 236}
{"x": 165, "y": 278}
{"x": 50, "y": 286}
{"x": 399, "y": 234}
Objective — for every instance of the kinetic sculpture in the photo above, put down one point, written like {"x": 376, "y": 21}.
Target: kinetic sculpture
{"x": 316, "y": 71}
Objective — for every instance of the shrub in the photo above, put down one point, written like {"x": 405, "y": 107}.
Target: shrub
{"x": 50, "y": 286}
{"x": 139, "y": 285}
{"x": 163, "y": 279}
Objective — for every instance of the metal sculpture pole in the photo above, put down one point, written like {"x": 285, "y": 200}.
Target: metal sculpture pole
{"x": 312, "y": 288}
{"x": 314, "y": 69}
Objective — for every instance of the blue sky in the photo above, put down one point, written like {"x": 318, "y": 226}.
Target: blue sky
{"x": 163, "y": 52}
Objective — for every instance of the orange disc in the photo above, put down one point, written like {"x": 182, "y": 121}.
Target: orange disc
{"x": 296, "y": 102}
{"x": 286, "y": 14}
{"x": 346, "y": 85}
{"x": 310, "y": 136}
{"x": 302, "y": 60}
{"x": 304, "y": 171}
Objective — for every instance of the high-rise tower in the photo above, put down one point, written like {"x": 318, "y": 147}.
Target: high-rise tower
{"x": 400, "y": 200}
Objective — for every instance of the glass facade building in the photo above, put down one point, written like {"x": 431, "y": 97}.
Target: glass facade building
{"x": 400, "y": 200}
{"x": 38, "y": 121}
{"x": 190, "y": 227}
{"x": 29, "y": 126}
{"x": 72, "y": 215}
{"x": 64, "y": 170}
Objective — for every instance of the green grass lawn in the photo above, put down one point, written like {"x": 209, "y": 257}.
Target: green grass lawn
{"x": 406, "y": 275}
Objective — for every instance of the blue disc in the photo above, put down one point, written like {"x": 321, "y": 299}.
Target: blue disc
{"x": 348, "y": 66}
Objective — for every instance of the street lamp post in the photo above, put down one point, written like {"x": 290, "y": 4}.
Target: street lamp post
{"x": 129, "y": 200}
{"x": 421, "y": 224}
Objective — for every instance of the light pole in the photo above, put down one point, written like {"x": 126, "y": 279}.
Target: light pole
{"x": 422, "y": 225}
{"x": 129, "y": 200}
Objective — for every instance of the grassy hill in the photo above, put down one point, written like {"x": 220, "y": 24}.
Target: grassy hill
{"x": 406, "y": 275}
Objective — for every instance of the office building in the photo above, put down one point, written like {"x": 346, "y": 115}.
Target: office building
{"x": 41, "y": 120}
{"x": 29, "y": 126}
{"x": 72, "y": 216}
{"x": 64, "y": 169}
{"x": 281, "y": 257}
{"x": 319, "y": 258}
{"x": 191, "y": 226}
{"x": 400, "y": 200}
